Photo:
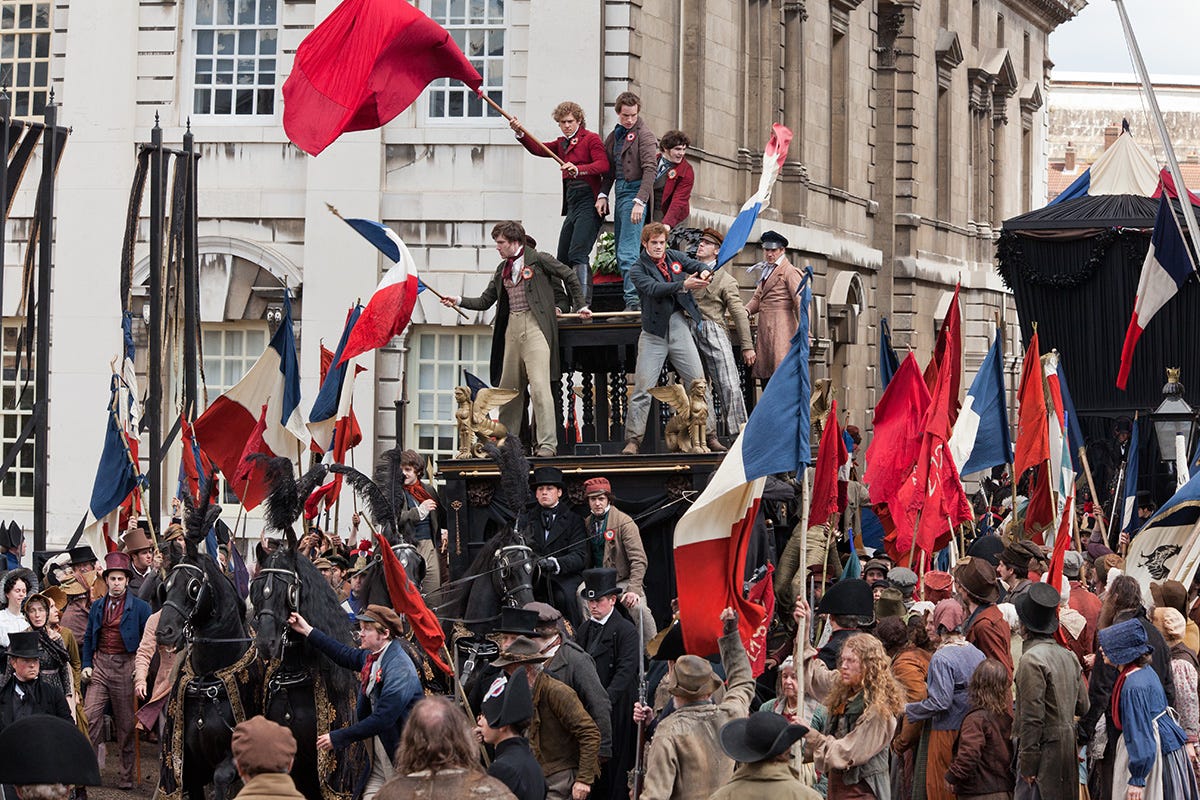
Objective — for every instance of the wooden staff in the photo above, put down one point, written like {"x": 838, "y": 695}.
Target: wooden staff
{"x": 524, "y": 131}
{"x": 801, "y": 628}
{"x": 1087, "y": 471}
{"x": 435, "y": 292}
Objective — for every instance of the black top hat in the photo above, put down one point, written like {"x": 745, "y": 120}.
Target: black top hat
{"x": 773, "y": 239}
{"x": 852, "y": 596}
{"x": 508, "y": 702}
{"x": 1038, "y": 609}
{"x": 759, "y": 737}
{"x": 24, "y": 645}
{"x": 521, "y": 650}
{"x": 518, "y": 622}
{"x": 547, "y": 476}
{"x": 41, "y": 749}
{"x": 11, "y": 536}
{"x": 599, "y": 582}
{"x": 82, "y": 555}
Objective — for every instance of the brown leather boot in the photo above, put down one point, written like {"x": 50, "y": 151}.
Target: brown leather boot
{"x": 714, "y": 444}
{"x": 632, "y": 447}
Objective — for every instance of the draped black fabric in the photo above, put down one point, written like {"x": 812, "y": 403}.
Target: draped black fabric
{"x": 1099, "y": 211}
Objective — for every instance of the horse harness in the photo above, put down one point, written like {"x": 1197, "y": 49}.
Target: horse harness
{"x": 290, "y": 580}
{"x": 196, "y": 589}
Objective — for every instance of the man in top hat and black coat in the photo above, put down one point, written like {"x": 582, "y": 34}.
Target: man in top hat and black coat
{"x": 1050, "y": 695}
{"x": 777, "y": 303}
{"x": 614, "y": 645}
{"x": 141, "y": 554}
{"x": 115, "y": 625}
{"x": 985, "y": 627}
{"x": 507, "y": 712}
{"x": 762, "y": 744}
{"x": 22, "y": 691}
{"x": 43, "y": 755}
{"x": 560, "y": 543}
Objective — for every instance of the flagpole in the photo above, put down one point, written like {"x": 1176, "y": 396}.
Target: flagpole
{"x": 1087, "y": 471}
{"x": 435, "y": 292}
{"x": 524, "y": 132}
{"x": 801, "y": 627}
{"x": 912, "y": 550}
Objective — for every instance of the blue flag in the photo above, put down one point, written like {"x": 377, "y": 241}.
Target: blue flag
{"x": 1074, "y": 431}
{"x": 116, "y": 476}
{"x": 888, "y": 362}
{"x": 1129, "y": 518}
{"x": 981, "y": 437}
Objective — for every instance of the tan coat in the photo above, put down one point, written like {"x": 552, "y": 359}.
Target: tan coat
{"x": 777, "y": 305}
{"x": 685, "y": 760}
{"x": 1050, "y": 694}
{"x": 765, "y": 780}
{"x": 723, "y": 296}
{"x": 624, "y": 552}
{"x": 562, "y": 734}
{"x": 269, "y": 786}
{"x": 145, "y": 654}
{"x": 872, "y": 733}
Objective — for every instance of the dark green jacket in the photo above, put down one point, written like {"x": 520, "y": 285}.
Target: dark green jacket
{"x": 547, "y": 273}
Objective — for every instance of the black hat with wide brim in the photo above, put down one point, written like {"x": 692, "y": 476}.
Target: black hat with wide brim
{"x": 41, "y": 749}
{"x": 759, "y": 737}
{"x": 848, "y": 597}
{"x": 508, "y": 702}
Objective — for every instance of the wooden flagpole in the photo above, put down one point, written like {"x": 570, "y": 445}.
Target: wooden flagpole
{"x": 524, "y": 131}
{"x": 801, "y": 627}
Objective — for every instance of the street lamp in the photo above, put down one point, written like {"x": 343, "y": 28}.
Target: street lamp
{"x": 1174, "y": 420}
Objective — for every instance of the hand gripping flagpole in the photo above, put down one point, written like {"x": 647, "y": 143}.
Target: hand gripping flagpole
{"x": 524, "y": 130}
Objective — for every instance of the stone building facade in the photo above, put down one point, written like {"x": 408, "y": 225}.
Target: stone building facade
{"x": 919, "y": 127}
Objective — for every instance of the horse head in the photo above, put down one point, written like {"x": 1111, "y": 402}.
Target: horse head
{"x": 411, "y": 560}
{"x": 512, "y": 574}
{"x": 275, "y": 593}
{"x": 186, "y": 599}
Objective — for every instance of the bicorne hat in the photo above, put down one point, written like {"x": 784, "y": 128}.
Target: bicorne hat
{"x": 508, "y": 702}
{"x": 759, "y": 737}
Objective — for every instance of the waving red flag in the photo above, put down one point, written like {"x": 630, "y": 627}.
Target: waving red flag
{"x": 1033, "y": 426}
{"x": 368, "y": 61}
{"x": 408, "y": 601}
{"x": 947, "y": 355}
{"x": 830, "y": 456}
{"x": 249, "y": 483}
{"x": 899, "y": 421}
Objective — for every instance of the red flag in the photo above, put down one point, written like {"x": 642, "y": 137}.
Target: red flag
{"x": 368, "y": 61}
{"x": 947, "y": 355}
{"x": 249, "y": 482}
{"x": 830, "y": 457}
{"x": 762, "y": 593}
{"x": 1062, "y": 540}
{"x": 1033, "y": 432}
{"x": 353, "y": 436}
{"x": 1039, "y": 511}
{"x": 408, "y": 601}
{"x": 196, "y": 465}
{"x": 899, "y": 422}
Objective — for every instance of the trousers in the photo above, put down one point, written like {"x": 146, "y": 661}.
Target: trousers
{"x": 527, "y": 363}
{"x": 716, "y": 351}
{"x": 627, "y": 234}
{"x": 580, "y": 227}
{"x": 112, "y": 681}
{"x": 653, "y": 352}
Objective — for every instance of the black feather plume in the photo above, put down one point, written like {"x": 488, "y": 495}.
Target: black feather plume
{"x": 283, "y": 506}
{"x": 375, "y": 502}
{"x": 200, "y": 516}
{"x": 514, "y": 473}
{"x": 310, "y": 481}
{"x": 389, "y": 477}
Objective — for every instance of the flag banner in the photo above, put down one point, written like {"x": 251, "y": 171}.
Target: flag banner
{"x": 1033, "y": 438}
{"x": 1062, "y": 541}
{"x": 1168, "y": 547}
{"x": 1167, "y": 266}
{"x": 711, "y": 537}
{"x": 981, "y": 439}
{"x": 888, "y": 362}
{"x": 1074, "y": 429}
{"x": 1062, "y": 468}
{"x": 408, "y": 601}
{"x": 117, "y": 477}
{"x": 388, "y": 311}
{"x": 762, "y": 593}
{"x": 336, "y": 394}
{"x": 362, "y": 66}
{"x": 194, "y": 466}
{"x": 899, "y": 421}
{"x": 831, "y": 456}
{"x": 774, "y": 155}
{"x": 947, "y": 354}
{"x": 224, "y": 429}
{"x": 1128, "y": 510}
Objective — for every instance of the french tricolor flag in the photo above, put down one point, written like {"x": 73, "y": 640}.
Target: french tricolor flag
{"x": 1168, "y": 264}
{"x": 274, "y": 381}
{"x": 390, "y": 308}
{"x": 773, "y": 158}
{"x": 981, "y": 440}
{"x": 711, "y": 537}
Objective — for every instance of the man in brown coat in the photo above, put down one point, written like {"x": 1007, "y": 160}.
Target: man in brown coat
{"x": 633, "y": 162}
{"x": 777, "y": 305}
{"x": 985, "y": 627}
{"x": 685, "y": 760}
{"x": 525, "y": 336}
{"x": 615, "y": 541}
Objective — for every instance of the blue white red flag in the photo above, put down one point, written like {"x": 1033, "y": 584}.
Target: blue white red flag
{"x": 274, "y": 381}
{"x": 336, "y": 394}
{"x": 1074, "y": 429}
{"x": 1062, "y": 469}
{"x": 1167, "y": 547}
{"x": 981, "y": 437}
{"x": 711, "y": 537}
{"x": 390, "y": 308}
{"x": 117, "y": 477}
{"x": 773, "y": 157}
{"x": 1168, "y": 264}
{"x": 194, "y": 467}
{"x": 1128, "y": 519}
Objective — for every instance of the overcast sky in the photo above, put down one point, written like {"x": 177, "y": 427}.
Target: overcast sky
{"x": 1094, "y": 41}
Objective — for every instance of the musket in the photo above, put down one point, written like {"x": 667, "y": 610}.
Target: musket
{"x": 639, "y": 763}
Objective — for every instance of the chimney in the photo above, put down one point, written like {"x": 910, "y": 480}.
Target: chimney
{"x": 1110, "y": 135}
{"x": 1069, "y": 158}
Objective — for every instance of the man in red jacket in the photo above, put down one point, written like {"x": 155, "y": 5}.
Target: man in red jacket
{"x": 673, "y": 183}
{"x": 587, "y": 163}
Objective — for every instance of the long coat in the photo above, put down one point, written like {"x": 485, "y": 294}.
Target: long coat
{"x": 540, "y": 292}
{"x": 566, "y": 541}
{"x": 1050, "y": 694}
{"x": 673, "y": 198}
{"x": 777, "y": 305}
{"x": 624, "y": 552}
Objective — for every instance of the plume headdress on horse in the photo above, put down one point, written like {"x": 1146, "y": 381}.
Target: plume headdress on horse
{"x": 199, "y": 515}
{"x": 513, "y": 491}
{"x": 381, "y": 496}
{"x": 286, "y": 495}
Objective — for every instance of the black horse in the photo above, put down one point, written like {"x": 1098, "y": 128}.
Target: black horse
{"x": 500, "y": 576}
{"x": 304, "y": 690}
{"x": 218, "y": 684}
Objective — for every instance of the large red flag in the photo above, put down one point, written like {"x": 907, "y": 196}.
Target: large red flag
{"x": 408, "y": 601}
{"x": 368, "y": 61}
{"x": 947, "y": 355}
{"x": 899, "y": 422}
{"x": 197, "y": 467}
{"x": 249, "y": 483}
{"x": 1033, "y": 431}
{"x": 830, "y": 456}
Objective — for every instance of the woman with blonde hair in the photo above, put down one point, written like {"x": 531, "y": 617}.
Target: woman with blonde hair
{"x": 863, "y": 706}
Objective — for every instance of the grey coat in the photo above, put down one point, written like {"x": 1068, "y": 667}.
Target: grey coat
{"x": 1050, "y": 694}
{"x": 574, "y": 667}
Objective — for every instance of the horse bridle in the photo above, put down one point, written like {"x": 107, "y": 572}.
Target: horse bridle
{"x": 290, "y": 579}
{"x": 195, "y": 590}
{"x": 523, "y": 567}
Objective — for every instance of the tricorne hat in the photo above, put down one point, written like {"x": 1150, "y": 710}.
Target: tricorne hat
{"x": 1124, "y": 642}
{"x": 384, "y": 616}
{"x": 43, "y": 749}
{"x": 759, "y": 737}
{"x": 850, "y": 596}
{"x": 117, "y": 562}
{"x": 548, "y": 476}
{"x": 978, "y": 578}
{"x": 1037, "y": 609}
{"x": 596, "y": 486}
{"x": 507, "y": 702}
{"x": 521, "y": 650}
{"x": 11, "y": 535}
{"x": 599, "y": 582}
{"x": 692, "y": 678}
{"x": 24, "y": 645}
{"x": 260, "y": 745}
